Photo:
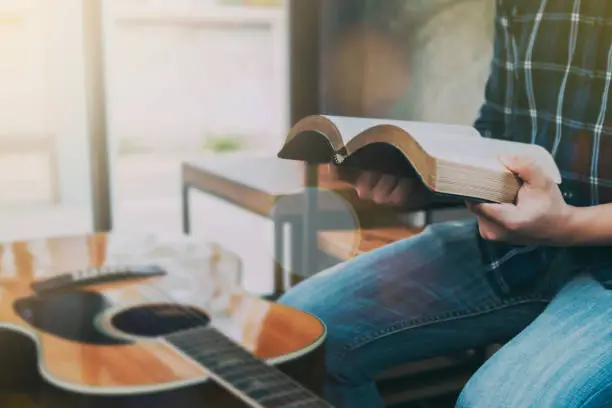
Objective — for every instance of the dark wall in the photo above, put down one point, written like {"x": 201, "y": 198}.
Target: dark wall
{"x": 364, "y": 65}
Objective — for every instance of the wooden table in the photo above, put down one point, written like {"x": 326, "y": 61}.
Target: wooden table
{"x": 257, "y": 183}
{"x": 61, "y": 324}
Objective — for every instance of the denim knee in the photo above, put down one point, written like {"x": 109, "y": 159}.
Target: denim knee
{"x": 482, "y": 391}
{"x": 306, "y": 296}
{"x": 474, "y": 392}
{"x": 317, "y": 297}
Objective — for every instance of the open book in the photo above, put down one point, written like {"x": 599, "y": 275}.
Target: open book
{"x": 451, "y": 160}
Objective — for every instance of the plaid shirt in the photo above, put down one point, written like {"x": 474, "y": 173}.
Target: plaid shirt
{"x": 550, "y": 85}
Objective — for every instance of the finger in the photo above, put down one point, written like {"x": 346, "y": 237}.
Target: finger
{"x": 470, "y": 205}
{"x": 492, "y": 212}
{"x": 490, "y": 231}
{"x": 506, "y": 216}
{"x": 474, "y": 207}
{"x": 526, "y": 169}
{"x": 365, "y": 184}
{"x": 383, "y": 188}
{"x": 403, "y": 192}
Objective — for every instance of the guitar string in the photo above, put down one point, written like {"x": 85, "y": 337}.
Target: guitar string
{"x": 278, "y": 376}
{"x": 297, "y": 389}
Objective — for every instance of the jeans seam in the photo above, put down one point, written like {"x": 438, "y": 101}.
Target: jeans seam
{"x": 410, "y": 324}
{"x": 497, "y": 282}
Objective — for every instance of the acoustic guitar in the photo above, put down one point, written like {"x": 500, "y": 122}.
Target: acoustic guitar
{"x": 105, "y": 335}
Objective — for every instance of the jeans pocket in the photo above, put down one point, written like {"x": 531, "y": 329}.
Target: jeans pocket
{"x": 538, "y": 272}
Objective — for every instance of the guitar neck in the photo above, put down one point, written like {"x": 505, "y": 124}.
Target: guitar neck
{"x": 234, "y": 368}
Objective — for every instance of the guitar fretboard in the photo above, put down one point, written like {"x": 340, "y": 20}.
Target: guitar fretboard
{"x": 238, "y": 370}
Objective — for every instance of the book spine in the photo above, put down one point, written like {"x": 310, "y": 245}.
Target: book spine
{"x": 340, "y": 155}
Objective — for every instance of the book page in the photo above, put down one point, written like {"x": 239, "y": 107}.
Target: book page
{"x": 452, "y": 143}
{"x": 485, "y": 153}
{"x": 349, "y": 127}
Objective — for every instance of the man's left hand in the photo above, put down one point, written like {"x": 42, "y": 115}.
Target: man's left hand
{"x": 537, "y": 218}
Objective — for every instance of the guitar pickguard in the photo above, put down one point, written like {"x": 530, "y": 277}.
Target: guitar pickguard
{"x": 70, "y": 315}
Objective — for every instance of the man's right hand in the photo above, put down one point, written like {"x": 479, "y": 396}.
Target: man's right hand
{"x": 383, "y": 189}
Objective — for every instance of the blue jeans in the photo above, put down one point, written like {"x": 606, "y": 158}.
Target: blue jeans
{"x": 429, "y": 295}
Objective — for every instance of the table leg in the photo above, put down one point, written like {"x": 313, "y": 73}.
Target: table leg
{"x": 286, "y": 279}
{"x": 185, "y": 204}
{"x": 428, "y": 217}
{"x": 279, "y": 259}
{"x": 310, "y": 221}
{"x": 298, "y": 261}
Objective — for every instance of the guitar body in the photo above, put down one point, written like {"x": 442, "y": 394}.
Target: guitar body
{"x": 102, "y": 344}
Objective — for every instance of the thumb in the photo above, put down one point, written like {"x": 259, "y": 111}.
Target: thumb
{"x": 526, "y": 169}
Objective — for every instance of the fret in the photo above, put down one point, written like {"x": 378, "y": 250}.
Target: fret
{"x": 212, "y": 351}
{"x": 284, "y": 400}
{"x": 242, "y": 371}
{"x": 253, "y": 383}
{"x": 307, "y": 403}
{"x": 280, "y": 394}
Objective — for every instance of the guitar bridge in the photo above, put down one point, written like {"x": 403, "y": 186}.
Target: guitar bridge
{"x": 98, "y": 275}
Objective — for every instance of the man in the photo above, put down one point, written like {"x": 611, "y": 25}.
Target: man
{"x": 533, "y": 274}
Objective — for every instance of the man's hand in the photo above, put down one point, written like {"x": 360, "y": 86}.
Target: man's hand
{"x": 382, "y": 188}
{"x": 540, "y": 215}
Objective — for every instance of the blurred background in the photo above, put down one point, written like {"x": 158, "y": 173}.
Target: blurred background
{"x": 191, "y": 79}
{"x": 184, "y": 79}
{"x": 165, "y": 82}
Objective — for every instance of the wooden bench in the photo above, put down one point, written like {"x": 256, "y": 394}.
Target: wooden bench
{"x": 344, "y": 245}
{"x": 438, "y": 380}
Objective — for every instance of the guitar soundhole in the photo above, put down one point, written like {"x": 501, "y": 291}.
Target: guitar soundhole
{"x": 158, "y": 320}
